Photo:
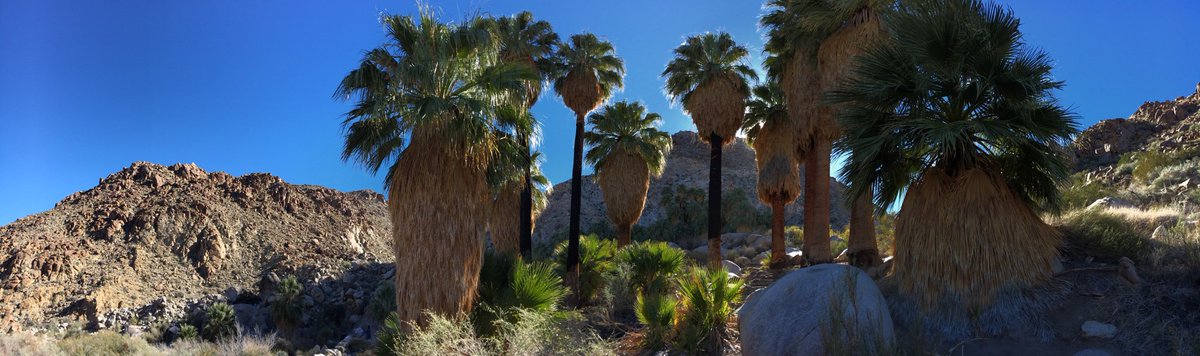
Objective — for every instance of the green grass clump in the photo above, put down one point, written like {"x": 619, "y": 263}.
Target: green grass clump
{"x": 595, "y": 260}
{"x": 221, "y": 323}
{"x": 383, "y": 301}
{"x": 188, "y": 332}
{"x": 285, "y": 304}
{"x": 106, "y": 343}
{"x": 1104, "y": 235}
{"x": 533, "y": 333}
{"x": 707, "y": 297}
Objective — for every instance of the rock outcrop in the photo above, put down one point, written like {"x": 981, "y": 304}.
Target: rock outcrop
{"x": 687, "y": 165}
{"x": 154, "y": 235}
{"x": 1167, "y": 125}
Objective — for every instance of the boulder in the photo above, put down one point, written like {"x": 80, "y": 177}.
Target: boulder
{"x": 731, "y": 267}
{"x": 1110, "y": 202}
{"x": 804, "y": 310}
{"x": 1098, "y": 330}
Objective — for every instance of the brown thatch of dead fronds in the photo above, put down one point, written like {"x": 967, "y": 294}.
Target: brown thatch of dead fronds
{"x": 968, "y": 237}
{"x": 503, "y": 217}
{"x": 435, "y": 207}
{"x": 836, "y": 60}
{"x": 778, "y": 166}
{"x": 581, "y": 91}
{"x": 624, "y": 182}
{"x": 718, "y": 106}
{"x": 802, "y": 88}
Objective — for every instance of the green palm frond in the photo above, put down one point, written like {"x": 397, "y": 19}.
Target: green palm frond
{"x": 627, "y": 127}
{"x": 705, "y": 57}
{"x": 766, "y": 105}
{"x": 529, "y": 42}
{"x": 433, "y": 78}
{"x": 956, "y": 89}
{"x": 588, "y": 53}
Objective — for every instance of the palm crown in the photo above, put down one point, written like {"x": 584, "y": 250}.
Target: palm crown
{"x": 522, "y": 39}
{"x": 587, "y": 72}
{"x": 954, "y": 92}
{"x": 765, "y": 108}
{"x": 436, "y": 80}
{"x": 627, "y": 127}
{"x": 704, "y": 58}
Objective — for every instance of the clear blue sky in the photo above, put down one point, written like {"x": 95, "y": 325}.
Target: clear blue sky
{"x": 87, "y": 87}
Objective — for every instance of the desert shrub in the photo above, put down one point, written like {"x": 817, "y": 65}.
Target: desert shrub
{"x": 507, "y": 284}
{"x": 595, "y": 259}
{"x": 533, "y": 333}
{"x": 619, "y": 294}
{"x": 285, "y": 304}
{"x": 1103, "y": 234}
{"x": 657, "y": 312}
{"x": 741, "y": 213}
{"x": 794, "y": 235}
{"x": 188, "y": 332}
{"x": 1145, "y": 165}
{"x": 885, "y": 233}
{"x": 651, "y": 263}
{"x": 838, "y": 244}
{"x": 707, "y": 297}
{"x": 383, "y": 301}
{"x": 27, "y": 343}
{"x": 242, "y": 345}
{"x": 221, "y": 323}
{"x": 106, "y": 342}
{"x": 1174, "y": 174}
{"x": 1077, "y": 193}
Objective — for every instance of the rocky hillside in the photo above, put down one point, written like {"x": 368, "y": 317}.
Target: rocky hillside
{"x": 150, "y": 236}
{"x": 1160, "y": 125}
{"x": 687, "y": 165}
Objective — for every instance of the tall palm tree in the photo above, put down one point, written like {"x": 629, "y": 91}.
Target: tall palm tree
{"x": 957, "y": 114}
{"x": 424, "y": 102}
{"x": 792, "y": 61}
{"x": 531, "y": 43}
{"x": 771, "y": 133}
{"x": 587, "y": 73}
{"x": 512, "y": 166}
{"x": 626, "y": 150}
{"x": 813, "y": 43}
{"x": 710, "y": 78}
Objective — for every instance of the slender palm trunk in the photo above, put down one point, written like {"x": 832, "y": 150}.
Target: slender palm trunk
{"x": 624, "y": 235}
{"x": 576, "y": 191}
{"x": 816, "y": 204}
{"x": 778, "y": 241}
{"x": 526, "y": 221}
{"x": 863, "y": 248}
{"x": 714, "y": 201}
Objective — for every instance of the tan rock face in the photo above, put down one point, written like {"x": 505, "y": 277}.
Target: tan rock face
{"x": 1167, "y": 125}
{"x": 150, "y": 230}
{"x": 687, "y": 165}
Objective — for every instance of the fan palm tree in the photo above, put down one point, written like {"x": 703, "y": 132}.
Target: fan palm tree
{"x": 531, "y": 43}
{"x": 812, "y": 43}
{"x": 424, "y": 102}
{"x": 587, "y": 73}
{"x": 710, "y": 78}
{"x": 957, "y": 114}
{"x": 626, "y": 150}
{"x": 770, "y": 132}
{"x": 512, "y": 166}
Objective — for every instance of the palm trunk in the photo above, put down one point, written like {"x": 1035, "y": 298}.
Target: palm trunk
{"x": 526, "y": 220}
{"x": 714, "y": 201}
{"x": 863, "y": 248}
{"x": 576, "y": 191}
{"x": 778, "y": 241}
{"x": 624, "y": 235}
{"x": 816, "y": 204}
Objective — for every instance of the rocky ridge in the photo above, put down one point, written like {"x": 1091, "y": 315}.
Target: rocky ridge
{"x": 1164, "y": 125}
{"x": 153, "y": 242}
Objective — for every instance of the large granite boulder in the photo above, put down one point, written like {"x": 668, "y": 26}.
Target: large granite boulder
{"x": 819, "y": 310}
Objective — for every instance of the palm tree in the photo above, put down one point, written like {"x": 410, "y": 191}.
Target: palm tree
{"x": 792, "y": 62}
{"x": 813, "y": 43}
{"x": 531, "y": 43}
{"x": 424, "y": 102}
{"x": 710, "y": 78}
{"x": 626, "y": 150}
{"x": 956, "y": 114}
{"x": 587, "y": 73}
{"x": 770, "y": 132}
{"x": 512, "y": 166}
